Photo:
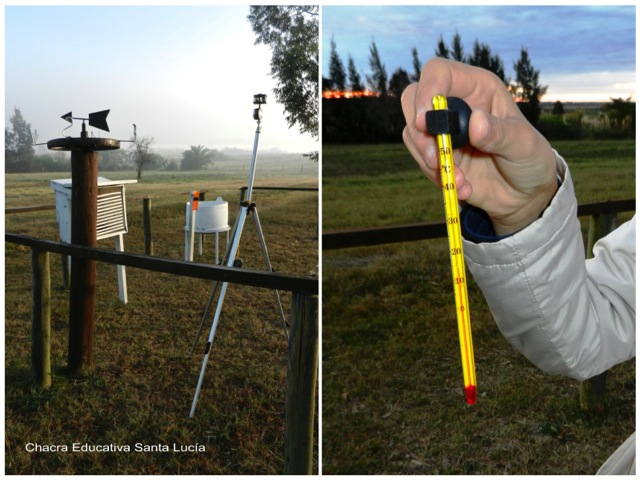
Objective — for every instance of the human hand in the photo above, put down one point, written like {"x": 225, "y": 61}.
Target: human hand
{"x": 508, "y": 169}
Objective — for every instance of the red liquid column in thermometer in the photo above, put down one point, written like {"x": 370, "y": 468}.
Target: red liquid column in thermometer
{"x": 450, "y": 193}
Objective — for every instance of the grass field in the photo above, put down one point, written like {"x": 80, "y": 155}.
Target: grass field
{"x": 141, "y": 387}
{"x": 393, "y": 401}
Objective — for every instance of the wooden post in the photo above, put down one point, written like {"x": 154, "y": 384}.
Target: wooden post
{"x": 65, "y": 271}
{"x": 600, "y": 226}
{"x": 592, "y": 391}
{"x": 146, "y": 218}
{"x": 302, "y": 376}
{"x": 84, "y": 212}
{"x": 41, "y": 318}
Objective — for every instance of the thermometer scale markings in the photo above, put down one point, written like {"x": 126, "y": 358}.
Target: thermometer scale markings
{"x": 454, "y": 233}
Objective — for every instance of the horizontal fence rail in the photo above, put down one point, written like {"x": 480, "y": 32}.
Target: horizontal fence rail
{"x": 252, "y": 278}
{"x": 33, "y": 208}
{"x": 289, "y": 189}
{"x": 424, "y": 231}
{"x": 39, "y": 208}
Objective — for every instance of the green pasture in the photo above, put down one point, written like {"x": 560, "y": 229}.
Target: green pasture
{"x": 142, "y": 384}
{"x": 393, "y": 400}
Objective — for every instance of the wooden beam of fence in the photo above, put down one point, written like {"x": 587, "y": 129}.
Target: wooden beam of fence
{"x": 242, "y": 276}
{"x": 243, "y": 190}
{"x": 302, "y": 374}
{"x": 382, "y": 235}
{"x": 291, "y": 189}
{"x": 32, "y": 208}
{"x": 425, "y": 231}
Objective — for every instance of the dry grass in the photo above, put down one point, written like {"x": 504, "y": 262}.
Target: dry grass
{"x": 143, "y": 381}
{"x": 393, "y": 400}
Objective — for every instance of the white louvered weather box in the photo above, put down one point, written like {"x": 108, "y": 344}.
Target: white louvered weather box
{"x": 111, "y": 221}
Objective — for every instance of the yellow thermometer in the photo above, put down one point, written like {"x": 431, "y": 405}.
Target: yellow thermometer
{"x": 444, "y": 123}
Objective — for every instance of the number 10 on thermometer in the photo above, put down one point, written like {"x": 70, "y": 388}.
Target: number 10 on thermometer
{"x": 450, "y": 193}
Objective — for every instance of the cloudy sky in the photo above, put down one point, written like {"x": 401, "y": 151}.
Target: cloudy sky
{"x": 584, "y": 53}
{"x": 184, "y": 75}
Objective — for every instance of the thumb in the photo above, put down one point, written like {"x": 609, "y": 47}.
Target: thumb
{"x": 505, "y": 137}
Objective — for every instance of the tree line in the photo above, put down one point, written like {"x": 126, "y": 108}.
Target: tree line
{"x": 380, "y": 118}
{"x": 385, "y": 107}
{"x": 20, "y": 155}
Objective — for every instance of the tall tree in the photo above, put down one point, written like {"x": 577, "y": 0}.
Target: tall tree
{"x": 482, "y": 57}
{"x": 378, "y": 77}
{"x": 621, "y": 112}
{"x": 19, "y": 155}
{"x": 196, "y": 158}
{"x": 558, "y": 108}
{"x": 337, "y": 74}
{"x": 354, "y": 77}
{"x": 527, "y": 88}
{"x": 399, "y": 81}
{"x": 457, "y": 51}
{"x": 292, "y": 34}
{"x": 141, "y": 153}
{"x": 417, "y": 66}
{"x": 442, "y": 50}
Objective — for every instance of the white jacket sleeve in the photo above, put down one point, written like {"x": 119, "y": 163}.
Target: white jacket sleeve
{"x": 567, "y": 315}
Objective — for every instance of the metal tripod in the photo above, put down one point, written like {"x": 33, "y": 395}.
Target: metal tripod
{"x": 247, "y": 207}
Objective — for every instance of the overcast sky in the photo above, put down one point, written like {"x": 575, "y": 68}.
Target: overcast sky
{"x": 584, "y": 53}
{"x": 184, "y": 75}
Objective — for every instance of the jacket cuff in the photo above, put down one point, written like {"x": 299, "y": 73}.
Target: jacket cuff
{"x": 477, "y": 227}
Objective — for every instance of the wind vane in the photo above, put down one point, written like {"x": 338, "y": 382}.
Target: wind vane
{"x": 96, "y": 120}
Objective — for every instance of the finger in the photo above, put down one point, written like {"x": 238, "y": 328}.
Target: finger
{"x": 408, "y": 102}
{"x": 509, "y": 137}
{"x": 478, "y": 87}
{"x": 420, "y": 145}
{"x": 463, "y": 186}
{"x": 425, "y": 162}
{"x": 449, "y": 78}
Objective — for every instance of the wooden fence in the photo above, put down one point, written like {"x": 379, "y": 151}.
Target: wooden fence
{"x": 425, "y": 231}
{"x": 603, "y": 219}
{"x": 302, "y": 362}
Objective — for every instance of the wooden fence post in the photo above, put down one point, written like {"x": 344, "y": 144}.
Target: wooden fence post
{"x": 65, "y": 271}
{"x": 146, "y": 219}
{"x": 592, "y": 391}
{"x": 41, "y": 318}
{"x": 302, "y": 376}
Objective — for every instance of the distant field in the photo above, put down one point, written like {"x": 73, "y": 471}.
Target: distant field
{"x": 393, "y": 401}
{"x": 375, "y": 185}
{"x": 142, "y": 385}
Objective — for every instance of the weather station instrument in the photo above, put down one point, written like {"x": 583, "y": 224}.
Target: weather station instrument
{"x": 84, "y": 208}
{"x": 449, "y": 121}
{"x": 247, "y": 208}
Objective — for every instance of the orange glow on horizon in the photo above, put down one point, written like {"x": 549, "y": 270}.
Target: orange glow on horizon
{"x": 348, "y": 94}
